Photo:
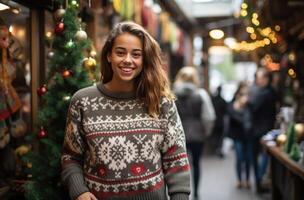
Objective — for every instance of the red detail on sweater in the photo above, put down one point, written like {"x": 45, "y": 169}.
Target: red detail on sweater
{"x": 138, "y": 169}
{"x": 177, "y": 169}
{"x": 171, "y": 150}
{"x": 98, "y": 179}
{"x": 102, "y": 171}
{"x": 103, "y": 195}
{"x": 177, "y": 157}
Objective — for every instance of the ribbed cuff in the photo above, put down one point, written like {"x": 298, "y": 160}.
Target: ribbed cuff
{"x": 179, "y": 196}
{"x": 76, "y": 186}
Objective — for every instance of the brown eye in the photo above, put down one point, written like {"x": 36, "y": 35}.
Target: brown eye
{"x": 120, "y": 53}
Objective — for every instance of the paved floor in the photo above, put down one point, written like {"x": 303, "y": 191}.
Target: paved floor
{"x": 218, "y": 179}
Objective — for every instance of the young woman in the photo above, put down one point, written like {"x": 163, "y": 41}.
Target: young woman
{"x": 240, "y": 126}
{"x": 124, "y": 139}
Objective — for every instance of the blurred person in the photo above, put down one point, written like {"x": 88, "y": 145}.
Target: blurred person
{"x": 239, "y": 129}
{"x": 220, "y": 107}
{"x": 124, "y": 138}
{"x": 263, "y": 100}
{"x": 197, "y": 115}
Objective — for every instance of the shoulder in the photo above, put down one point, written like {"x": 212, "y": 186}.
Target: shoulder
{"x": 86, "y": 92}
{"x": 167, "y": 105}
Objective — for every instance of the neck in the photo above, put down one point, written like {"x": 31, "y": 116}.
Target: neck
{"x": 115, "y": 87}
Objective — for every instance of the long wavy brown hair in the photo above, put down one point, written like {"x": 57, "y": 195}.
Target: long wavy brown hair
{"x": 152, "y": 83}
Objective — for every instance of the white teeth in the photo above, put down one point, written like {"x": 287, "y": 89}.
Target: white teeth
{"x": 126, "y": 69}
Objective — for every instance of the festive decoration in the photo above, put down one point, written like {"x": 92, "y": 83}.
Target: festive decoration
{"x": 42, "y": 90}
{"x": 81, "y": 35}
{"x": 69, "y": 45}
{"x": 50, "y": 54}
{"x": 89, "y": 64}
{"x": 66, "y": 73}
{"x": 60, "y": 84}
{"x": 59, "y": 28}
{"x": 42, "y": 133}
{"x": 281, "y": 139}
{"x": 58, "y": 15}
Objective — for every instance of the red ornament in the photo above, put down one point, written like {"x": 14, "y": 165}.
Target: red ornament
{"x": 59, "y": 28}
{"x": 42, "y": 133}
{"x": 66, "y": 73}
{"x": 42, "y": 90}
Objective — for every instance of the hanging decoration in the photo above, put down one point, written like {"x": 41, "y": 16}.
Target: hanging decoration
{"x": 58, "y": 15}
{"x": 42, "y": 133}
{"x": 42, "y": 90}
{"x": 81, "y": 35}
{"x": 59, "y": 28}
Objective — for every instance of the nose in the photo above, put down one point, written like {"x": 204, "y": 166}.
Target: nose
{"x": 128, "y": 58}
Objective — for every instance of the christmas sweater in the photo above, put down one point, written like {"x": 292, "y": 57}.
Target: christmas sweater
{"x": 115, "y": 150}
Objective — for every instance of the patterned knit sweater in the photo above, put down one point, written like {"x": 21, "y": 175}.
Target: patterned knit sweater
{"x": 115, "y": 150}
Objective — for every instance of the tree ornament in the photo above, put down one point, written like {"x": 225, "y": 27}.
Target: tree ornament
{"x": 59, "y": 28}
{"x": 42, "y": 90}
{"x": 89, "y": 64}
{"x": 81, "y": 35}
{"x": 66, "y": 74}
{"x": 59, "y": 13}
{"x": 50, "y": 54}
{"x": 69, "y": 45}
{"x": 74, "y": 4}
{"x": 42, "y": 133}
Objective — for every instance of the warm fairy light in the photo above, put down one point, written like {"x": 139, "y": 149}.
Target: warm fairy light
{"x": 255, "y": 15}
{"x": 244, "y": 13}
{"x": 291, "y": 72}
{"x": 244, "y": 5}
{"x": 66, "y": 98}
{"x": 216, "y": 34}
{"x": 255, "y": 22}
{"x": 292, "y": 56}
{"x": 277, "y": 28}
{"x": 266, "y": 41}
{"x": 249, "y": 29}
{"x": 48, "y": 34}
{"x": 253, "y": 36}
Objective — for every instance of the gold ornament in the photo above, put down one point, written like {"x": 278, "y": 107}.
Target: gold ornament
{"x": 81, "y": 35}
{"x": 281, "y": 139}
{"x": 89, "y": 64}
{"x": 58, "y": 15}
{"x": 299, "y": 129}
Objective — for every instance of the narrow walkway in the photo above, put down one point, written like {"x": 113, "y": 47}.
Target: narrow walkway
{"x": 219, "y": 179}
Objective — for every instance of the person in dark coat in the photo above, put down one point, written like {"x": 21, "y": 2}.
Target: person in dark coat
{"x": 220, "y": 107}
{"x": 263, "y": 100}
{"x": 197, "y": 116}
{"x": 239, "y": 129}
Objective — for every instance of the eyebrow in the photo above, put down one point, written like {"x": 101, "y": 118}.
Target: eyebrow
{"x": 122, "y": 48}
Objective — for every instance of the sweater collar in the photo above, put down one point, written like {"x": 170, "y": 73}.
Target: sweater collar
{"x": 116, "y": 95}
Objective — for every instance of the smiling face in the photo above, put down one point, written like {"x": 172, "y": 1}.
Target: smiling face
{"x": 126, "y": 58}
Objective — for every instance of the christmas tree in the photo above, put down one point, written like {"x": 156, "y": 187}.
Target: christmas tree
{"x": 68, "y": 72}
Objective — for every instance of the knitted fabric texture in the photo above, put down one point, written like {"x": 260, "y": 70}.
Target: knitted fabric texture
{"x": 115, "y": 150}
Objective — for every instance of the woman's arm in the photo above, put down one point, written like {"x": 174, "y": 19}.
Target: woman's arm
{"x": 175, "y": 161}
{"x": 72, "y": 153}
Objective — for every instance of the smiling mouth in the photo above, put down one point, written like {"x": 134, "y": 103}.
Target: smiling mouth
{"x": 126, "y": 69}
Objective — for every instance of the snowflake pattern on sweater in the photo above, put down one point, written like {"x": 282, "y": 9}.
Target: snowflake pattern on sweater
{"x": 122, "y": 149}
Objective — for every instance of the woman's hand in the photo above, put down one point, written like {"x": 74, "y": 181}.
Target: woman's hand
{"x": 86, "y": 196}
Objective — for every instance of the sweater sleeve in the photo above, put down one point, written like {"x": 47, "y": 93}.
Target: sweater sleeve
{"x": 72, "y": 153}
{"x": 175, "y": 161}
